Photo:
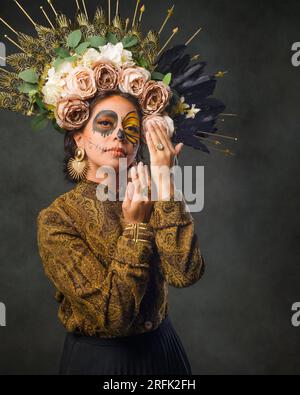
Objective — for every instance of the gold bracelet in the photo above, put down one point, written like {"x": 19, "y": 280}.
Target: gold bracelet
{"x": 136, "y": 232}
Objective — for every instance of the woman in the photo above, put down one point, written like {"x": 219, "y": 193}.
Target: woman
{"x": 112, "y": 283}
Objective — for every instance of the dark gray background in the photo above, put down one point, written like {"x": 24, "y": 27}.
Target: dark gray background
{"x": 237, "y": 318}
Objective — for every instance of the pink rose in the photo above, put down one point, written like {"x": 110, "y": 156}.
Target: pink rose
{"x": 133, "y": 80}
{"x": 106, "y": 75}
{"x": 164, "y": 121}
{"x": 155, "y": 97}
{"x": 81, "y": 82}
{"x": 72, "y": 112}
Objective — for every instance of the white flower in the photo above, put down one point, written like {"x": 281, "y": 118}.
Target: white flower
{"x": 51, "y": 92}
{"x": 182, "y": 107}
{"x": 90, "y": 57}
{"x": 192, "y": 112}
{"x": 64, "y": 68}
{"x": 53, "y": 88}
{"x": 115, "y": 54}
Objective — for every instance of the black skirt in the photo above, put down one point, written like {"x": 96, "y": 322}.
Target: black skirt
{"x": 158, "y": 352}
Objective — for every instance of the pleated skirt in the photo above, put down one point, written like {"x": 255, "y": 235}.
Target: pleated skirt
{"x": 157, "y": 352}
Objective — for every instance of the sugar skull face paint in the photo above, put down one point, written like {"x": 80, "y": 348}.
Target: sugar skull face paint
{"x": 105, "y": 122}
{"x": 132, "y": 127}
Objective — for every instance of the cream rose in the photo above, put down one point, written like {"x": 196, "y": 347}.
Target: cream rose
{"x": 164, "y": 121}
{"x": 106, "y": 76}
{"x": 115, "y": 54}
{"x": 72, "y": 112}
{"x": 81, "y": 82}
{"x": 155, "y": 97}
{"x": 91, "y": 56}
{"x": 133, "y": 80}
{"x": 53, "y": 88}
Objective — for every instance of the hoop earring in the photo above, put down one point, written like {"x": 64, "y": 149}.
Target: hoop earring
{"x": 78, "y": 166}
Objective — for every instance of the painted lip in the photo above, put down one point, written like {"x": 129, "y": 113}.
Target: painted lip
{"x": 117, "y": 150}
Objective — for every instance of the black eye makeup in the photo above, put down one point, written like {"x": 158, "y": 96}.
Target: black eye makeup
{"x": 105, "y": 122}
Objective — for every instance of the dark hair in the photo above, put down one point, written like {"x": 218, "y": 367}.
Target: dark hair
{"x": 69, "y": 142}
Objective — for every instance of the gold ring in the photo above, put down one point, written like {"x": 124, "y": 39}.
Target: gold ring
{"x": 160, "y": 146}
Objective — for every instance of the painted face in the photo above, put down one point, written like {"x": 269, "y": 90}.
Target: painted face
{"x": 132, "y": 127}
{"x": 106, "y": 121}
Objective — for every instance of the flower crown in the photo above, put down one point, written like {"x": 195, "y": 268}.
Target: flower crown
{"x": 58, "y": 73}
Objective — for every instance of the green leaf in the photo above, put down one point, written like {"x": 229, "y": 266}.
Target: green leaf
{"x": 82, "y": 48}
{"x": 26, "y": 87}
{"x": 157, "y": 76}
{"x": 40, "y": 104}
{"x": 57, "y": 63}
{"x": 39, "y": 122}
{"x": 30, "y": 76}
{"x": 74, "y": 39}
{"x": 143, "y": 63}
{"x": 167, "y": 79}
{"x": 112, "y": 38}
{"x": 97, "y": 41}
{"x": 70, "y": 59}
{"x": 58, "y": 128}
{"x": 129, "y": 41}
{"x": 62, "y": 52}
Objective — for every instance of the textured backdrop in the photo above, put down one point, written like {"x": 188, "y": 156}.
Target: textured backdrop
{"x": 237, "y": 318}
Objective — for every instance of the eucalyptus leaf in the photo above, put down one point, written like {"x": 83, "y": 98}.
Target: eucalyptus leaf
{"x": 30, "y": 76}
{"x": 74, "y": 39}
{"x": 129, "y": 41}
{"x": 167, "y": 79}
{"x": 143, "y": 63}
{"x": 62, "y": 52}
{"x": 39, "y": 122}
{"x": 112, "y": 38}
{"x": 40, "y": 104}
{"x": 157, "y": 76}
{"x": 70, "y": 58}
{"x": 57, "y": 63}
{"x": 97, "y": 41}
{"x": 26, "y": 87}
{"x": 82, "y": 48}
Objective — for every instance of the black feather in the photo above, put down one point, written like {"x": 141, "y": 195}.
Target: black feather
{"x": 191, "y": 141}
{"x": 180, "y": 66}
{"x": 192, "y": 72}
{"x": 170, "y": 56}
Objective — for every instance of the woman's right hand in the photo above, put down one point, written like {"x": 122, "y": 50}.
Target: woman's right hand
{"x": 137, "y": 206}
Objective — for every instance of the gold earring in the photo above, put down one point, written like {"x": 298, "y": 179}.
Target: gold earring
{"x": 78, "y": 166}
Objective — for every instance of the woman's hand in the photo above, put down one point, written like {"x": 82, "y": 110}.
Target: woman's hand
{"x": 156, "y": 134}
{"x": 137, "y": 206}
{"x": 162, "y": 161}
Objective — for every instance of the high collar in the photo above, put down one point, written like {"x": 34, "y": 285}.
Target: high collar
{"x": 88, "y": 189}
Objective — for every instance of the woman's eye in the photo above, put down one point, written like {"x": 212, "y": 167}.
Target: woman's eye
{"x": 105, "y": 123}
{"x": 133, "y": 129}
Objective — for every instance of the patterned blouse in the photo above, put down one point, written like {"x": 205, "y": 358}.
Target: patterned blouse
{"x": 107, "y": 284}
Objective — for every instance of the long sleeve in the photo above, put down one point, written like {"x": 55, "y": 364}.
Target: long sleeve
{"x": 109, "y": 295}
{"x": 181, "y": 262}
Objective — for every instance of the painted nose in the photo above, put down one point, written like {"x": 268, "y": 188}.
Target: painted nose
{"x": 121, "y": 135}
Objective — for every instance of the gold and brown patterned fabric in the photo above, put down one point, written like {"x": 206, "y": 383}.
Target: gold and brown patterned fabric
{"x": 107, "y": 284}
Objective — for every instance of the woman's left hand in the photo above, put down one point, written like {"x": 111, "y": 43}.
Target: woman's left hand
{"x": 158, "y": 134}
